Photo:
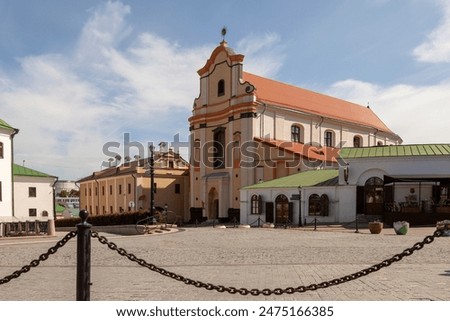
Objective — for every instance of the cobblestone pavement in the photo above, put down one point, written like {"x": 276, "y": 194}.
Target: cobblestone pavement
{"x": 239, "y": 257}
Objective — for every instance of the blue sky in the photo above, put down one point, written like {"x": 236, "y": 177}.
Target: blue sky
{"x": 75, "y": 75}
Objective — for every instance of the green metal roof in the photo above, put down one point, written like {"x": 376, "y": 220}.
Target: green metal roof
{"x": 4, "y": 124}
{"x": 320, "y": 177}
{"x": 24, "y": 171}
{"x": 396, "y": 151}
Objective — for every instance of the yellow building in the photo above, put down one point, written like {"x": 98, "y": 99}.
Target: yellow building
{"x": 126, "y": 188}
{"x": 246, "y": 128}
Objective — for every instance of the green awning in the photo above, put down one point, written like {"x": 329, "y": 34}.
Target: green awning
{"x": 320, "y": 177}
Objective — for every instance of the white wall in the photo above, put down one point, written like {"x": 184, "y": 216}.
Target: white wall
{"x": 42, "y": 202}
{"x": 6, "y": 207}
{"x": 342, "y": 206}
{"x": 360, "y": 169}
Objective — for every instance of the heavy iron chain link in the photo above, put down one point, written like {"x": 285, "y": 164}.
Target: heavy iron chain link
{"x": 42, "y": 257}
{"x": 278, "y": 291}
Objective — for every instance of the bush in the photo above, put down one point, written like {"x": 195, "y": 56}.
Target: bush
{"x": 105, "y": 219}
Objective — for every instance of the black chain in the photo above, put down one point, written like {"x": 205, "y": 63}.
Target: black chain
{"x": 41, "y": 258}
{"x": 278, "y": 291}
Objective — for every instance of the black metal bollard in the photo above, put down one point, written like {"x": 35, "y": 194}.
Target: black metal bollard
{"x": 84, "y": 258}
{"x": 357, "y": 225}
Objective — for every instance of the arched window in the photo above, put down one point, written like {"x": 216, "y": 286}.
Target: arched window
{"x": 219, "y": 147}
{"x": 314, "y": 205}
{"x": 357, "y": 141}
{"x": 374, "y": 190}
{"x": 295, "y": 134}
{"x": 196, "y": 157}
{"x": 329, "y": 138}
{"x": 325, "y": 205}
{"x": 221, "y": 87}
{"x": 256, "y": 204}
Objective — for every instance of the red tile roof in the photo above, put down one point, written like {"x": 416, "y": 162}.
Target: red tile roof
{"x": 326, "y": 154}
{"x": 289, "y": 96}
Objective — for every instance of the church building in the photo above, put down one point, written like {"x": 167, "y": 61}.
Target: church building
{"x": 247, "y": 129}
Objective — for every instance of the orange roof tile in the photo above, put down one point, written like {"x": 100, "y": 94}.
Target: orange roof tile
{"x": 289, "y": 96}
{"x": 327, "y": 154}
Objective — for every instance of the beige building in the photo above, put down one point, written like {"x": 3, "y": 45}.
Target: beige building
{"x": 126, "y": 188}
{"x": 246, "y": 129}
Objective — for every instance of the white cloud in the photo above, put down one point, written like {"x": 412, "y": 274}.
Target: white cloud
{"x": 105, "y": 29}
{"x": 437, "y": 46}
{"x": 419, "y": 114}
{"x": 263, "y": 53}
{"x": 67, "y": 105}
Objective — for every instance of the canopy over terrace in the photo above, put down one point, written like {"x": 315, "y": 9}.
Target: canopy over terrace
{"x": 404, "y": 182}
{"x": 418, "y": 200}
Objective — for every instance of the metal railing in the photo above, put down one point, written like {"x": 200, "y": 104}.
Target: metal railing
{"x": 23, "y": 228}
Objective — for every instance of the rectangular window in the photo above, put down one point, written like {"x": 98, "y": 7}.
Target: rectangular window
{"x": 120, "y": 189}
{"x": 32, "y": 212}
{"x": 129, "y": 188}
{"x": 177, "y": 188}
{"x": 110, "y": 189}
{"x": 103, "y": 190}
{"x": 31, "y": 191}
{"x": 1, "y": 150}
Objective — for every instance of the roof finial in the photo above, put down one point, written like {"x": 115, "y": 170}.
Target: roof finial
{"x": 224, "y": 32}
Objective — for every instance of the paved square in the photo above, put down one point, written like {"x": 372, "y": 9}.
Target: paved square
{"x": 238, "y": 257}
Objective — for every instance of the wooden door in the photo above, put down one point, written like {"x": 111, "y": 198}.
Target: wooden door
{"x": 269, "y": 212}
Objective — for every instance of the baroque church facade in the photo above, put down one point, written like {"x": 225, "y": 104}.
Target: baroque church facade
{"x": 247, "y": 129}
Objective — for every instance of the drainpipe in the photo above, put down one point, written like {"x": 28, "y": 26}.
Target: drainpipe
{"x": 15, "y": 132}
{"x": 135, "y": 190}
{"x": 54, "y": 196}
{"x": 98, "y": 197}
{"x": 79, "y": 195}
{"x": 319, "y": 126}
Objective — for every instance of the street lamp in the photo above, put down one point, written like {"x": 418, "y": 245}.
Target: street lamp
{"x": 152, "y": 180}
{"x": 300, "y": 223}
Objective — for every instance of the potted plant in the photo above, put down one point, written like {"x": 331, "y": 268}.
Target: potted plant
{"x": 375, "y": 227}
{"x": 401, "y": 227}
